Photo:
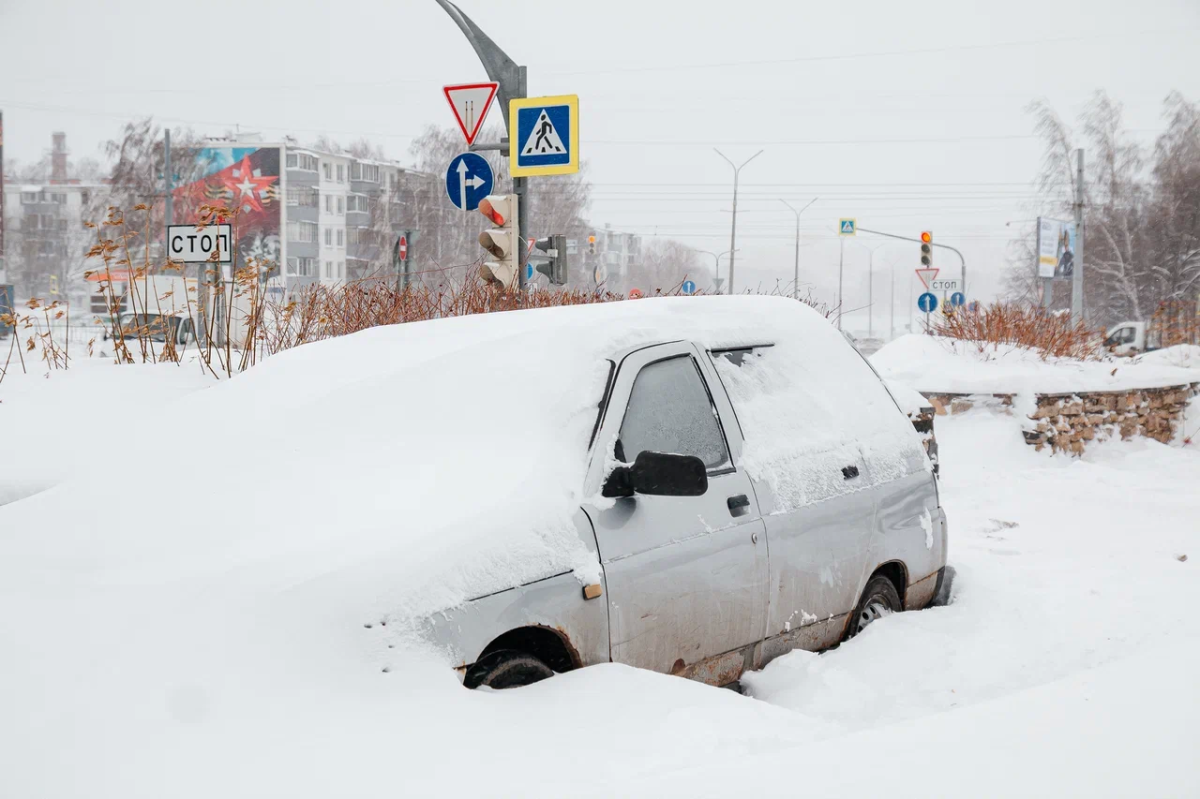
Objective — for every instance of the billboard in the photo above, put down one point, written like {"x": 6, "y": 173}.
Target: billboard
{"x": 1056, "y": 249}
{"x": 247, "y": 180}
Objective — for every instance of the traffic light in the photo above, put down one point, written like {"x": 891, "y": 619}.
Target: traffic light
{"x": 501, "y": 242}
{"x": 554, "y": 264}
{"x": 926, "y": 250}
{"x": 591, "y": 245}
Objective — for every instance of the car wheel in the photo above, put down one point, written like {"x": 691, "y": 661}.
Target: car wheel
{"x": 879, "y": 599}
{"x": 506, "y": 668}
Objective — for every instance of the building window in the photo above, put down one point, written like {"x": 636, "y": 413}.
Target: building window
{"x": 368, "y": 173}
{"x": 85, "y": 197}
{"x": 302, "y": 267}
{"x": 341, "y": 238}
{"x": 341, "y": 206}
{"x": 29, "y": 197}
{"x": 341, "y": 273}
{"x": 62, "y": 226}
{"x": 302, "y": 232}
{"x": 358, "y": 203}
{"x": 341, "y": 173}
{"x": 302, "y": 161}
{"x": 328, "y": 237}
{"x": 60, "y": 199}
{"x": 303, "y": 196}
{"x": 328, "y": 171}
{"x": 359, "y": 235}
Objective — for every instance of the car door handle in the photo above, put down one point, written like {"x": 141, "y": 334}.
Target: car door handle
{"x": 738, "y": 505}
{"x": 849, "y": 472}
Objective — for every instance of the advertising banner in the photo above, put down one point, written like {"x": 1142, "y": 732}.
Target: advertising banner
{"x": 1056, "y": 249}
{"x": 245, "y": 179}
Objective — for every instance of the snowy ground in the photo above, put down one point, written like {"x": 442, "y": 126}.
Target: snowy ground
{"x": 1066, "y": 665}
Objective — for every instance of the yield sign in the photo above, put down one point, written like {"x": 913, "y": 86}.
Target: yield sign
{"x": 927, "y": 276}
{"x": 471, "y": 102}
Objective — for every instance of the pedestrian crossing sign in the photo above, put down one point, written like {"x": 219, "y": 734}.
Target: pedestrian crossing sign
{"x": 543, "y": 136}
{"x": 847, "y": 227}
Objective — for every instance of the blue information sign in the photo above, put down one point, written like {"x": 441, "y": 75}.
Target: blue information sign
{"x": 927, "y": 302}
{"x": 469, "y": 180}
{"x": 958, "y": 299}
{"x": 688, "y": 287}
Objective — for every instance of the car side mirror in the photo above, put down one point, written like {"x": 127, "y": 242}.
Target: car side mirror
{"x": 658, "y": 474}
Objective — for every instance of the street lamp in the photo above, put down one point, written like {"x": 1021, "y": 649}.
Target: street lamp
{"x": 716, "y": 265}
{"x": 871, "y": 287}
{"x": 737, "y": 171}
{"x": 796, "y": 282}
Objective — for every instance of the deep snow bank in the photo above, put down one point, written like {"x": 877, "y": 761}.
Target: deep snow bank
{"x": 945, "y": 366}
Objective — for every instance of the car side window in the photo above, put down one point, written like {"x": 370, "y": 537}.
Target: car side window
{"x": 670, "y": 411}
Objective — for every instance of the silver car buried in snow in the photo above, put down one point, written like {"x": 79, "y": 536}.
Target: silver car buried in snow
{"x": 714, "y": 556}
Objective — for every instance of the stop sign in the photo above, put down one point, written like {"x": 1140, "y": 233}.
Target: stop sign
{"x": 635, "y": 294}
{"x": 402, "y": 248}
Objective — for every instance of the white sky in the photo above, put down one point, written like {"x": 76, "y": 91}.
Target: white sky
{"x": 826, "y": 89}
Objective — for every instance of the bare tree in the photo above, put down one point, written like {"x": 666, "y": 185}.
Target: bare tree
{"x": 1143, "y": 239}
{"x": 665, "y": 264}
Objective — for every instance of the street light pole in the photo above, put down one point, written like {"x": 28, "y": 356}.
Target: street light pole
{"x": 737, "y": 171}
{"x": 796, "y": 281}
{"x": 716, "y": 264}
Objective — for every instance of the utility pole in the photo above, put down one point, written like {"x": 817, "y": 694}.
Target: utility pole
{"x": 514, "y": 84}
{"x": 796, "y": 280}
{"x": 737, "y": 171}
{"x": 170, "y": 182}
{"x": 1077, "y": 271}
{"x": 841, "y": 269}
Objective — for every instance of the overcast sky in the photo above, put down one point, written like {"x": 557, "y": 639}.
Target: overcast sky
{"x": 906, "y": 116}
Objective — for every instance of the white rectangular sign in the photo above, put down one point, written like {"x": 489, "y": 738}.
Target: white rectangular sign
{"x": 193, "y": 243}
{"x": 946, "y": 285}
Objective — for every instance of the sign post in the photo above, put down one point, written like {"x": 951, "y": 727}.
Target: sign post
{"x": 846, "y": 228}
{"x": 543, "y": 136}
{"x": 470, "y": 103}
{"x": 928, "y": 303}
{"x": 469, "y": 180}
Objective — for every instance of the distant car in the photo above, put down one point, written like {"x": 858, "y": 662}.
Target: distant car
{"x": 156, "y": 327}
{"x": 747, "y": 494}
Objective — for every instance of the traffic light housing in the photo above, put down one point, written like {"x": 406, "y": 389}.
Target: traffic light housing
{"x": 926, "y": 250}
{"x": 503, "y": 266}
{"x": 591, "y": 245}
{"x": 554, "y": 263}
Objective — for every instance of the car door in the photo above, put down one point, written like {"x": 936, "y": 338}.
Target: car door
{"x": 819, "y": 548}
{"x": 686, "y": 577}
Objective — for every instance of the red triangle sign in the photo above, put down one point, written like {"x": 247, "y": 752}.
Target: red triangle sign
{"x": 927, "y": 276}
{"x": 470, "y": 103}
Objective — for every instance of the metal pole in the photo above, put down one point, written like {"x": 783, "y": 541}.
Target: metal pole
{"x": 796, "y": 280}
{"x": 737, "y": 171}
{"x": 892, "y": 317}
{"x": 519, "y": 189}
{"x": 1077, "y": 272}
{"x": 841, "y": 264}
{"x": 871, "y": 296}
{"x": 170, "y": 185}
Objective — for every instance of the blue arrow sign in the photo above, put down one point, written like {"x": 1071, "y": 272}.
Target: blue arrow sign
{"x": 688, "y": 287}
{"x": 528, "y": 272}
{"x": 927, "y": 302}
{"x": 469, "y": 179}
{"x": 958, "y": 299}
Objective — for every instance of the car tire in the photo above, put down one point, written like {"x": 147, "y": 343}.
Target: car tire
{"x": 506, "y": 668}
{"x": 879, "y": 599}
